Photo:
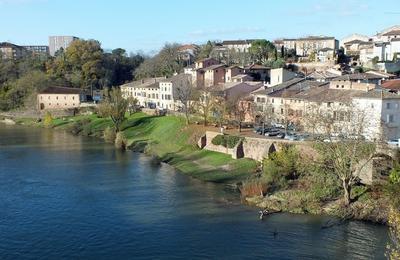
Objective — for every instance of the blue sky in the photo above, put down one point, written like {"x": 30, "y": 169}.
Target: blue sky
{"x": 147, "y": 25}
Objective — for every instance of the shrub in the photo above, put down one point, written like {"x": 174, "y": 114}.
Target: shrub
{"x": 229, "y": 141}
{"x": 78, "y": 126}
{"x": 109, "y": 134}
{"x": 254, "y": 187}
{"x": 282, "y": 166}
{"x": 219, "y": 140}
{"x": 48, "y": 119}
{"x": 120, "y": 140}
{"x": 394, "y": 175}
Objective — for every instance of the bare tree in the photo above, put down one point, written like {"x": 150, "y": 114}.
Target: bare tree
{"x": 345, "y": 152}
{"x": 186, "y": 93}
{"x": 205, "y": 104}
{"x": 132, "y": 104}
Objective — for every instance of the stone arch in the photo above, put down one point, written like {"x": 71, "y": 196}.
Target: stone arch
{"x": 272, "y": 149}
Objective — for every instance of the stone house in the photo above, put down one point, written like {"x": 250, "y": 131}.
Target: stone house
{"x": 231, "y": 72}
{"x": 58, "y": 98}
{"x": 211, "y": 76}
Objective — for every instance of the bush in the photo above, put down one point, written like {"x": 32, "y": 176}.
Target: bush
{"x": 120, "y": 140}
{"x": 254, "y": 187}
{"x": 282, "y": 166}
{"x": 394, "y": 175}
{"x": 109, "y": 134}
{"x": 80, "y": 126}
{"x": 48, "y": 120}
{"x": 229, "y": 141}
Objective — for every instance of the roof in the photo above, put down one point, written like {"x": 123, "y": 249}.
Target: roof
{"x": 326, "y": 94}
{"x": 354, "y": 42}
{"x": 9, "y": 45}
{"x": 237, "y": 42}
{"x": 278, "y": 87}
{"x": 391, "y": 33}
{"x": 391, "y": 84}
{"x": 177, "y": 78}
{"x": 256, "y": 67}
{"x": 144, "y": 83}
{"x": 212, "y": 67}
{"x": 297, "y": 88}
{"x": 205, "y": 59}
{"x": 312, "y": 38}
{"x": 61, "y": 90}
{"x": 241, "y": 76}
{"x": 322, "y": 75}
{"x": 378, "y": 94}
{"x": 326, "y": 49}
{"x": 360, "y": 76}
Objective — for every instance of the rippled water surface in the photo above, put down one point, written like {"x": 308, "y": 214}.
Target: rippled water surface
{"x": 63, "y": 196}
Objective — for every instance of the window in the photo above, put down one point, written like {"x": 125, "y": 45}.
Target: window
{"x": 73, "y": 98}
{"x": 342, "y": 86}
{"x": 272, "y": 100}
{"x": 389, "y": 118}
{"x": 273, "y": 110}
{"x": 388, "y": 106}
{"x": 65, "y": 97}
{"x": 329, "y": 104}
{"x": 281, "y": 101}
{"x": 372, "y": 105}
{"x": 337, "y": 86}
{"x": 281, "y": 110}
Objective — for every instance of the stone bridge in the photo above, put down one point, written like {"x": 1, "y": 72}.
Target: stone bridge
{"x": 258, "y": 149}
{"x": 252, "y": 148}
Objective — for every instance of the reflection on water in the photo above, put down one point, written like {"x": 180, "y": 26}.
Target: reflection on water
{"x": 73, "y": 197}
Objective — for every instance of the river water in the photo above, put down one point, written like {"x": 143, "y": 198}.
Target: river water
{"x": 63, "y": 196}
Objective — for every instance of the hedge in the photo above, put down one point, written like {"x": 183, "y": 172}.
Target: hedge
{"x": 228, "y": 141}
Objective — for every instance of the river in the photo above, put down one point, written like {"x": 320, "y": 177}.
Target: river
{"x": 63, "y": 196}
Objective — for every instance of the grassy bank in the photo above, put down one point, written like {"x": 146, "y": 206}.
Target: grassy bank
{"x": 167, "y": 138}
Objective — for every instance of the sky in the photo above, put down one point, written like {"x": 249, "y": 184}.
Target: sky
{"x": 146, "y": 25}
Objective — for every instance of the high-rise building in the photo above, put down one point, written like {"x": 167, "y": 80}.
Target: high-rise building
{"x": 58, "y": 42}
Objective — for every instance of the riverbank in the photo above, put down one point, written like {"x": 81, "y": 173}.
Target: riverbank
{"x": 168, "y": 139}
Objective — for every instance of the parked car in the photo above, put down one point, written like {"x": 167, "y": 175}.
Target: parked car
{"x": 278, "y": 125}
{"x": 291, "y": 137}
{"x": 281, "y": 135}
{"x": 273, "y": 132}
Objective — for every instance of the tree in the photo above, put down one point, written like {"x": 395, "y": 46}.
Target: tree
{"x": 205, "y": 104}
{"x": 186, "y": 94}
{"x": 261, "y": 49}
{"x": 220, "y": 110}
{"x": 237, "y": 109}
{"x": 205, "y": 50}
{"x": 115, "y": 107}
{"x": 345, "y": 153}
{"x": 165, "y": 63}
{"x": 132, "y": 104}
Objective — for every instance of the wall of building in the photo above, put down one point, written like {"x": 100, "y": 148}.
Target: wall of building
{"x": 58, "y": 101}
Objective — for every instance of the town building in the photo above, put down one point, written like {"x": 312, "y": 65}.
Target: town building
{"x": 232, "y": 71}
{"x": 160, "y": 93}
{"x": 304, "y": 47}
{"x": 187, "y": 53}
{"x": 211, "y": 75}
{"x": 57, "y": 98}
{"x": 60, "y": 42}
{"x": 37, "y": 49}
{"x": 280, "y": 75}
{"x": 12, "y": 51}
{"x": 258, "y": 72}
{"x": 238, "y": 45}
{"x": 146, "y": 91}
